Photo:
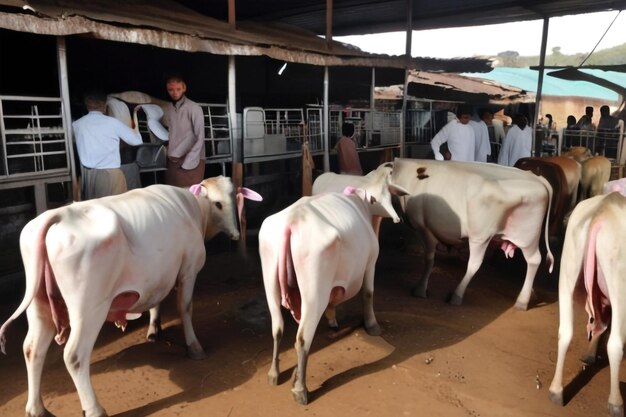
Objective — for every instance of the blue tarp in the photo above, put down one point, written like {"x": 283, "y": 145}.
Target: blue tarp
{"x": 526, "y": 79}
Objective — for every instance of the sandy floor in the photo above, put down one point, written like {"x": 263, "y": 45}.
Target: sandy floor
{"x": 480, "y": 359}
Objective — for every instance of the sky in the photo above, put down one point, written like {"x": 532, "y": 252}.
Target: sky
{"x": 573, "y": 34}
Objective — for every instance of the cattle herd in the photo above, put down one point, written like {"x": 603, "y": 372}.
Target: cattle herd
{"x": 111, "y": 259}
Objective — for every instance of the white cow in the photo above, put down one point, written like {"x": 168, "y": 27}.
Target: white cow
{"x": 451, "y": 201}
{"x": 111, "y": 259}
{"x": 376, "y": 183}
{"x": 593, "y": 261}
{"x": 317, "y": 253}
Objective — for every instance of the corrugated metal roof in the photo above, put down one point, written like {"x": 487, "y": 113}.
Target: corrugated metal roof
{"x": 526, "y": 78}
{"x": 355, "y": 17}
{"x": 455, "y": 87}
{"x": 168, "y": 24}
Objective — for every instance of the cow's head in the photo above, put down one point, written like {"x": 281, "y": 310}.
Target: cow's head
{"x": 220, "y": 206}
{"x": 382, "y": 189}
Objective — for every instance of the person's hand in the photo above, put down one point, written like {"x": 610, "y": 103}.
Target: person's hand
{"x": 175, "y": 161}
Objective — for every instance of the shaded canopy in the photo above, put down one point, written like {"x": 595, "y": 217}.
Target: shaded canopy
{"x": 358, "y": 17}
{"x": 172, "y": 25}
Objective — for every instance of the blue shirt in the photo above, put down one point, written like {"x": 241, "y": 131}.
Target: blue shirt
{"x": 98, "y": 137}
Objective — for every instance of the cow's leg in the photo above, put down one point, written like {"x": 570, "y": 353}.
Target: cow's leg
{"x": 273, "y": 302}
{"x": 154, "y": 328}
{"x": 371, "y": 325}
{"x": 312, "y": 311}
{"x": 184, "y": 303}
{"x": 86, "y": 324}
{"x": 40, "y": 333}
{"x": 476, "y": 256}
{"x": 430, "y": 243}
{"x": 533, "y": 259}
{"x": 566, "y": 329}
{"x": 615, "y": 351}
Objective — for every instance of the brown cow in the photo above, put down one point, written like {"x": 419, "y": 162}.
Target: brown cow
{"x": 553, "y": 173}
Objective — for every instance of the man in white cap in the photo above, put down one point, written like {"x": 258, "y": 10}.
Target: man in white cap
{"x": 186, "y": 155}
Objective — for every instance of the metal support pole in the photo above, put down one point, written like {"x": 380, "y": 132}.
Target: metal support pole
{"x": 67, "y": 113}
{"x": 542, "y": 61}
{"x": 232, "y": 110}
{"x": 326, "y": 123}
{"x": 409, "y": 38}
{"x": 373, "y": 92}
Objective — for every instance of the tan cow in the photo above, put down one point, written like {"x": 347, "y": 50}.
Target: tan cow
{"x": 593, "y": 263}
{"x": 451, "y": 201}
{"x": 596, "y": 172}
{"x": 111, "y": 259}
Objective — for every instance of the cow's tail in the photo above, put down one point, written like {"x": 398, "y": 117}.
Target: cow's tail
{"x": 549, "y": 257}
{"x": 34, "y": 273}
{"x": 289, "y": 291}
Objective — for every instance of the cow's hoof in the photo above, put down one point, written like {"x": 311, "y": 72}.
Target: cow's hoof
{"x": 195, "y": 351}
{"x": 272, "y": 379}
{"x": 44, "y": 413}
{"x": 588, "y": 360}
{"x": 373, "y": 330}
{"x": 419, "y": 293}
{"x": 616, "y": 410}
{"x": 333, "y": 324}
{"x": 301, "y": 397}
{"x": 521, "y": 306}
{"x": 153, "y": 337}
{"x": 557, "y": 398}
{"x": 455, "y": 300}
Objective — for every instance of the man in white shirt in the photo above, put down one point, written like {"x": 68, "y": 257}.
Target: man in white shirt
{"x": 481, "y": 135}
{"x": 97, "y": 139}
{"x": 517, "y": 142}
{"x": 459, "y": 136}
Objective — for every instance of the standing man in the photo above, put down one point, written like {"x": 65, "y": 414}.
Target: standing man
{"x": 186, "y": 157}
{"x": 586, "y": 121}
{"x": 518, "y": 142}
{"x": 481, "y": 135}
{"x": 459, "y": 136}
{"x": 97, "y": 139}
{"x": 349, "y": 162}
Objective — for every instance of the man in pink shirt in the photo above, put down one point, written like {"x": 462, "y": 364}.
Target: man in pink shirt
{"x": 349, "y": 162}
{"x": 186, "y": 157}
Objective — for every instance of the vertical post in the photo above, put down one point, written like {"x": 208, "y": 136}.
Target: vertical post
{"x": 232, "y": 21}
{"x": 329, "y": 40}
{"x": 542, "y": 61}
{"x": 237, "y": 169}
{"x": 372, "y": 91}
{"x": 67, "y": 113}
{"x": 329, "y": 23}
{"x": 409, "y": 37}
{"x": 326, "y": 123}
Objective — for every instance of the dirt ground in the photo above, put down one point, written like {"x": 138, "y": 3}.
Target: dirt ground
{"x": 480, "y": 359}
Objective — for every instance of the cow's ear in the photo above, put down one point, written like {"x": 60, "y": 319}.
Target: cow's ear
{"x": 249, "y": 194}
{"x": 198, "y": 190}
{"x": 398, "y": 190}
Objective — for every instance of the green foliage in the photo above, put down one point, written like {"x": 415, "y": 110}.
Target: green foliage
{"x": 609, "y": 56}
